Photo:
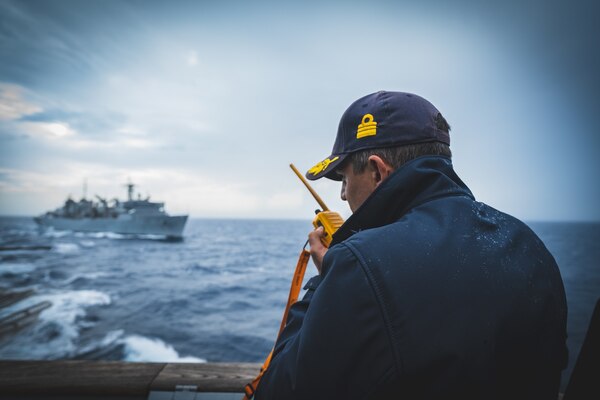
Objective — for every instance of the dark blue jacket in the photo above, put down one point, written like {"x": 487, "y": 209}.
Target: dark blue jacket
{"x": 426, "y": 293}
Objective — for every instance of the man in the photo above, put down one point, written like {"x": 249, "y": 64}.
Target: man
{"x": 424, "y": 293}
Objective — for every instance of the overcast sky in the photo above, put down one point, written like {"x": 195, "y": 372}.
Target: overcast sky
{"x": 204, "y": 106}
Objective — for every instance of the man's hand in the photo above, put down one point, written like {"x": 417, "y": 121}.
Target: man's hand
{"x": 317, "y": 249}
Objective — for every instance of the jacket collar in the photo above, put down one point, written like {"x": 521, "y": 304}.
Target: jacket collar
{"x": 416, "y": 182}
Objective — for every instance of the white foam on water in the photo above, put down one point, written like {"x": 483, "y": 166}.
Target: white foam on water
{"x": 50, "y": 232}
{"x": 99, "y": 235}
{"x": 150, "y": 237}
{"x": 66, "y": 248}
{"x": 16, "y": 268}
{"x": 112, "y": 235}
{"x": 87, "y": 243}
{"x": 61, "y": 318}
{"x": 90, "y": 276}
{"x": 123, "y": 236}
{"x": 68, "y": 306}
{"x": 126, "y": 236}
{"x": 110, "y": 338}
{"x": 143, "y": 349}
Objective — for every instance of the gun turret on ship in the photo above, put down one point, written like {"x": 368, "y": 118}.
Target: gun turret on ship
{"x": 133, "y": 216}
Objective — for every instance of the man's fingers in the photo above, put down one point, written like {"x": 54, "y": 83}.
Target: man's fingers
{"x": 317, "y": 249}
{"x": 315, "y": 236}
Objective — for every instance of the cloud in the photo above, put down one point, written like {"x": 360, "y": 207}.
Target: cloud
{"x": 64, "y": 129}
{"x": 219, "y": 100}
{"x": 184, "y": 192}
{"x": 13, "y": 106}
{"x": 18, "y": 181}
{"x": 47, "y": 130}
{"x": 85, "y": 119}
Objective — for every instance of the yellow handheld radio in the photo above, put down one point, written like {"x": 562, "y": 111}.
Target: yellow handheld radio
{"x": 329, "y": 220}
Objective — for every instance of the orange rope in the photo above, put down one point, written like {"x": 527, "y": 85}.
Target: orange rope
{"x": 292, "y": 298}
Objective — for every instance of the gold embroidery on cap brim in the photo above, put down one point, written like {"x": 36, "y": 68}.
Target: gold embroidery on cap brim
{"x": 321, "y": 166}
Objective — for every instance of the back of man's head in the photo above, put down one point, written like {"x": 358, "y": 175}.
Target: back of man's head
{"x": 395, "y": 126}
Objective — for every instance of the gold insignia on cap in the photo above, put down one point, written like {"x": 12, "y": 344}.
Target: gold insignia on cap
{"x": 368, "y": 127}
{"x": 322, "y": 166}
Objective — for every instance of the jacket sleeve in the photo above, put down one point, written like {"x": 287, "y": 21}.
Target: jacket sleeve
{"x": 335, "y": 343}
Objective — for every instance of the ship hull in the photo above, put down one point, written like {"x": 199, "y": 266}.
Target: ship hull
{"x": 170, "y": 226}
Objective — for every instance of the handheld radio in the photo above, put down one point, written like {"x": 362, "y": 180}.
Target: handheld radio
{"x": 329, "y": 220}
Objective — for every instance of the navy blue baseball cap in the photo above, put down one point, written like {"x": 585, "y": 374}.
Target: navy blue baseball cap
{"x": 382, "y": 119}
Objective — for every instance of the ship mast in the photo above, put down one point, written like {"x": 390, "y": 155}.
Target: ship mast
{"x": 130, "y": 187}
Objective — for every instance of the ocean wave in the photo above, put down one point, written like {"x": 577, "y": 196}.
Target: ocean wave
{"x": 208, "y": 269}
{"x": 89, "y": 276}
{"x": 68, "y": 306}
{"x": 66, "y": 248}
{"x": 57, "y": 331}
{"x": 134, "y": 348}
{"x": 16, "y": 268}
{"x": 105, "y": 235}
{"x": 50, "y": 232}
{"x": 100, "y": 235}
{"x": 150, "y": 237}
{"x": 87, "y": 243}
{"x": 110, "y": 344}
{"x": 142, "y": 349}
{"x": 118, "y": 236}
{"x": 134, "y": 236}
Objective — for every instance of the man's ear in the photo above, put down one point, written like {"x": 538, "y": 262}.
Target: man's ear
{"x": 380, "y": 169}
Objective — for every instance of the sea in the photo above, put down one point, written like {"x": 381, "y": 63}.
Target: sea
{"x": 216, "y": 296}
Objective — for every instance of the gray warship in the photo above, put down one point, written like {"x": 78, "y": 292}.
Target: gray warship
{"x": 134, "y": 216}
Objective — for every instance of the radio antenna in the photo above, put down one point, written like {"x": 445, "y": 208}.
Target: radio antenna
{"x": 310, "y": 189}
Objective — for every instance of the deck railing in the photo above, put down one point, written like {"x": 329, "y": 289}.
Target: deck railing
{"x": 123, "y": 380}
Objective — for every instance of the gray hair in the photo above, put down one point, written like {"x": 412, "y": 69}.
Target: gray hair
{"x": 397, "y": 156}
